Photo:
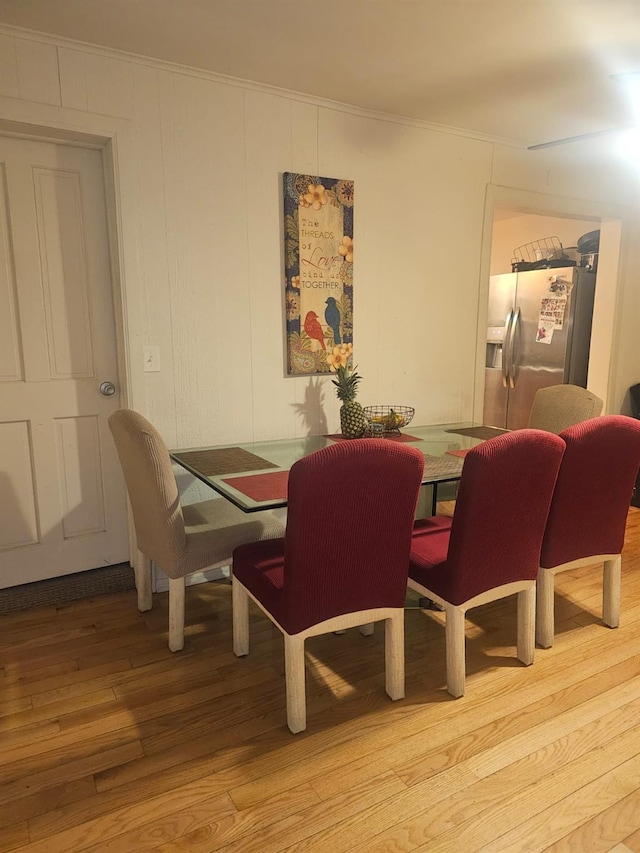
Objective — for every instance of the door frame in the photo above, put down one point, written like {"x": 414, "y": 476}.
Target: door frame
{"x": 606, "y": 312}
{"x": 112, "y": 137}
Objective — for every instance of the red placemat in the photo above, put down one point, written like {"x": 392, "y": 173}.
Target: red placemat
{"x": 390, "y": 436}
{"x": 262, "y": 487}
{"x": 462, "y": 453}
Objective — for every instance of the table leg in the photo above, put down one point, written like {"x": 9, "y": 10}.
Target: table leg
{"x": 434, "y": 498}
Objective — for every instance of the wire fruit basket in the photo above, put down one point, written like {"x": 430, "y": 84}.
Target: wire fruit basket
{"x": 390, "y": 418}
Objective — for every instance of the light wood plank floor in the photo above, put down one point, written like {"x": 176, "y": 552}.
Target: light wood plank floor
{"x": 111, "y": 744}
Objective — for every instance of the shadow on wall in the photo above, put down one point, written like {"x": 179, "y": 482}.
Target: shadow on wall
{"x": 311, "y": 410}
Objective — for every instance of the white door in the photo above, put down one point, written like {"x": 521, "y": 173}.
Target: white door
{"x": 62, "y": 499}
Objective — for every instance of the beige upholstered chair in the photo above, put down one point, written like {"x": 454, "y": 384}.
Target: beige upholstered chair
{"x": 180, "y": 540}
{"x": 560, "y": 406}
{"x": 554, "y": 409}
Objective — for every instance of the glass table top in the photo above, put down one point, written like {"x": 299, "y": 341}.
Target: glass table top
{"x": 253, "y": 475}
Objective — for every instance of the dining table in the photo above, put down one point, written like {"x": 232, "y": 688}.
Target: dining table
{"x": 254, "y": 475}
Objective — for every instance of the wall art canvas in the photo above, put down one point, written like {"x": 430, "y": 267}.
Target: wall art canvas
{"x": 318, "y": 263}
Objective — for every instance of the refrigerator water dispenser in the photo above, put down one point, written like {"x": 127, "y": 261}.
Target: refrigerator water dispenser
{"x": 495, "y": 338}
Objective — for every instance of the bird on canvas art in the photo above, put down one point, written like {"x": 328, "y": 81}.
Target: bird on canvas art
{"x": 313, "y": 328}
{"x": 332, "y": 316}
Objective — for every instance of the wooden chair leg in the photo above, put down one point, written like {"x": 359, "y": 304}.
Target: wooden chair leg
{"x": 176, "y": 614}
{"x": 142, "y": 571}
{"x": 294, "y": 677}
{"x": 545, "y": 626}
{"x": 454, "y": 640}
{"x": 240, "y": 614}
{"x": 394, "y": 655}
{"x": 527, "y": 625}
{"x": 367, "y": 629}
{"x": 611, "y": 592}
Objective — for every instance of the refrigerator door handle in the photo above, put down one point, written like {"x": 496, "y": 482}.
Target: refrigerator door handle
{"x": 507, "y": 353}
{"x": 512, "y": 340}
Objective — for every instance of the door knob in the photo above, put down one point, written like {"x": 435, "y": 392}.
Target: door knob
{"x": 107, "y": 389}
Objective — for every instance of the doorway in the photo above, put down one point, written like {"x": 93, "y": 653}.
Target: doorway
{"x": 519, "y": 217}
{"x": 62, "y": 498}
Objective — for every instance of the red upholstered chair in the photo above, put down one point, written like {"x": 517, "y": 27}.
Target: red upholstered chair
{"x": 589, "y": 512}
{"x": 491, "y": 547}
{"x": 343, "y": 561}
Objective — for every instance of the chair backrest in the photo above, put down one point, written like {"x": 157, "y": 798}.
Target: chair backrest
{"x": 559, "y": 406}
{"x": 501, "y": 510}
{"x": 591, "y": 500}
{"x": 152, "y": 488}
{"x": 350, "y": 514}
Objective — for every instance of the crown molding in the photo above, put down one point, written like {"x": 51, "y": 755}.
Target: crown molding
{"x": 238, "y": 82}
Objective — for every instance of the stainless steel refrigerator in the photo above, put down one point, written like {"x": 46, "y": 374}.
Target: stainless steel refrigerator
{"x": 539, "y": 331}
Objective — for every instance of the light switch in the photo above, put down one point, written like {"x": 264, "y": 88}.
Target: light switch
{"x": 151, "y": 359}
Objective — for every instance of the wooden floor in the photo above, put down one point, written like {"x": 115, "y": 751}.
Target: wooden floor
{"x": 108, "y": 742}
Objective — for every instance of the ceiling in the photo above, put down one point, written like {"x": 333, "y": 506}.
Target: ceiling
{"x": 526, "y": 70}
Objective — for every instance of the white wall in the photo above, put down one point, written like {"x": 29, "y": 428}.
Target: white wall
{"x": 199, "y": 165}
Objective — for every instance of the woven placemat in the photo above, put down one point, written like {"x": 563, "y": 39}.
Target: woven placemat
{"x": 482, "y": 432}
{"x": 439, "y": 466}
{"x": 223, "y": 460}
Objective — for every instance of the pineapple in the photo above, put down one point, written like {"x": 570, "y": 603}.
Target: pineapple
{"x": 352, "y": 419}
